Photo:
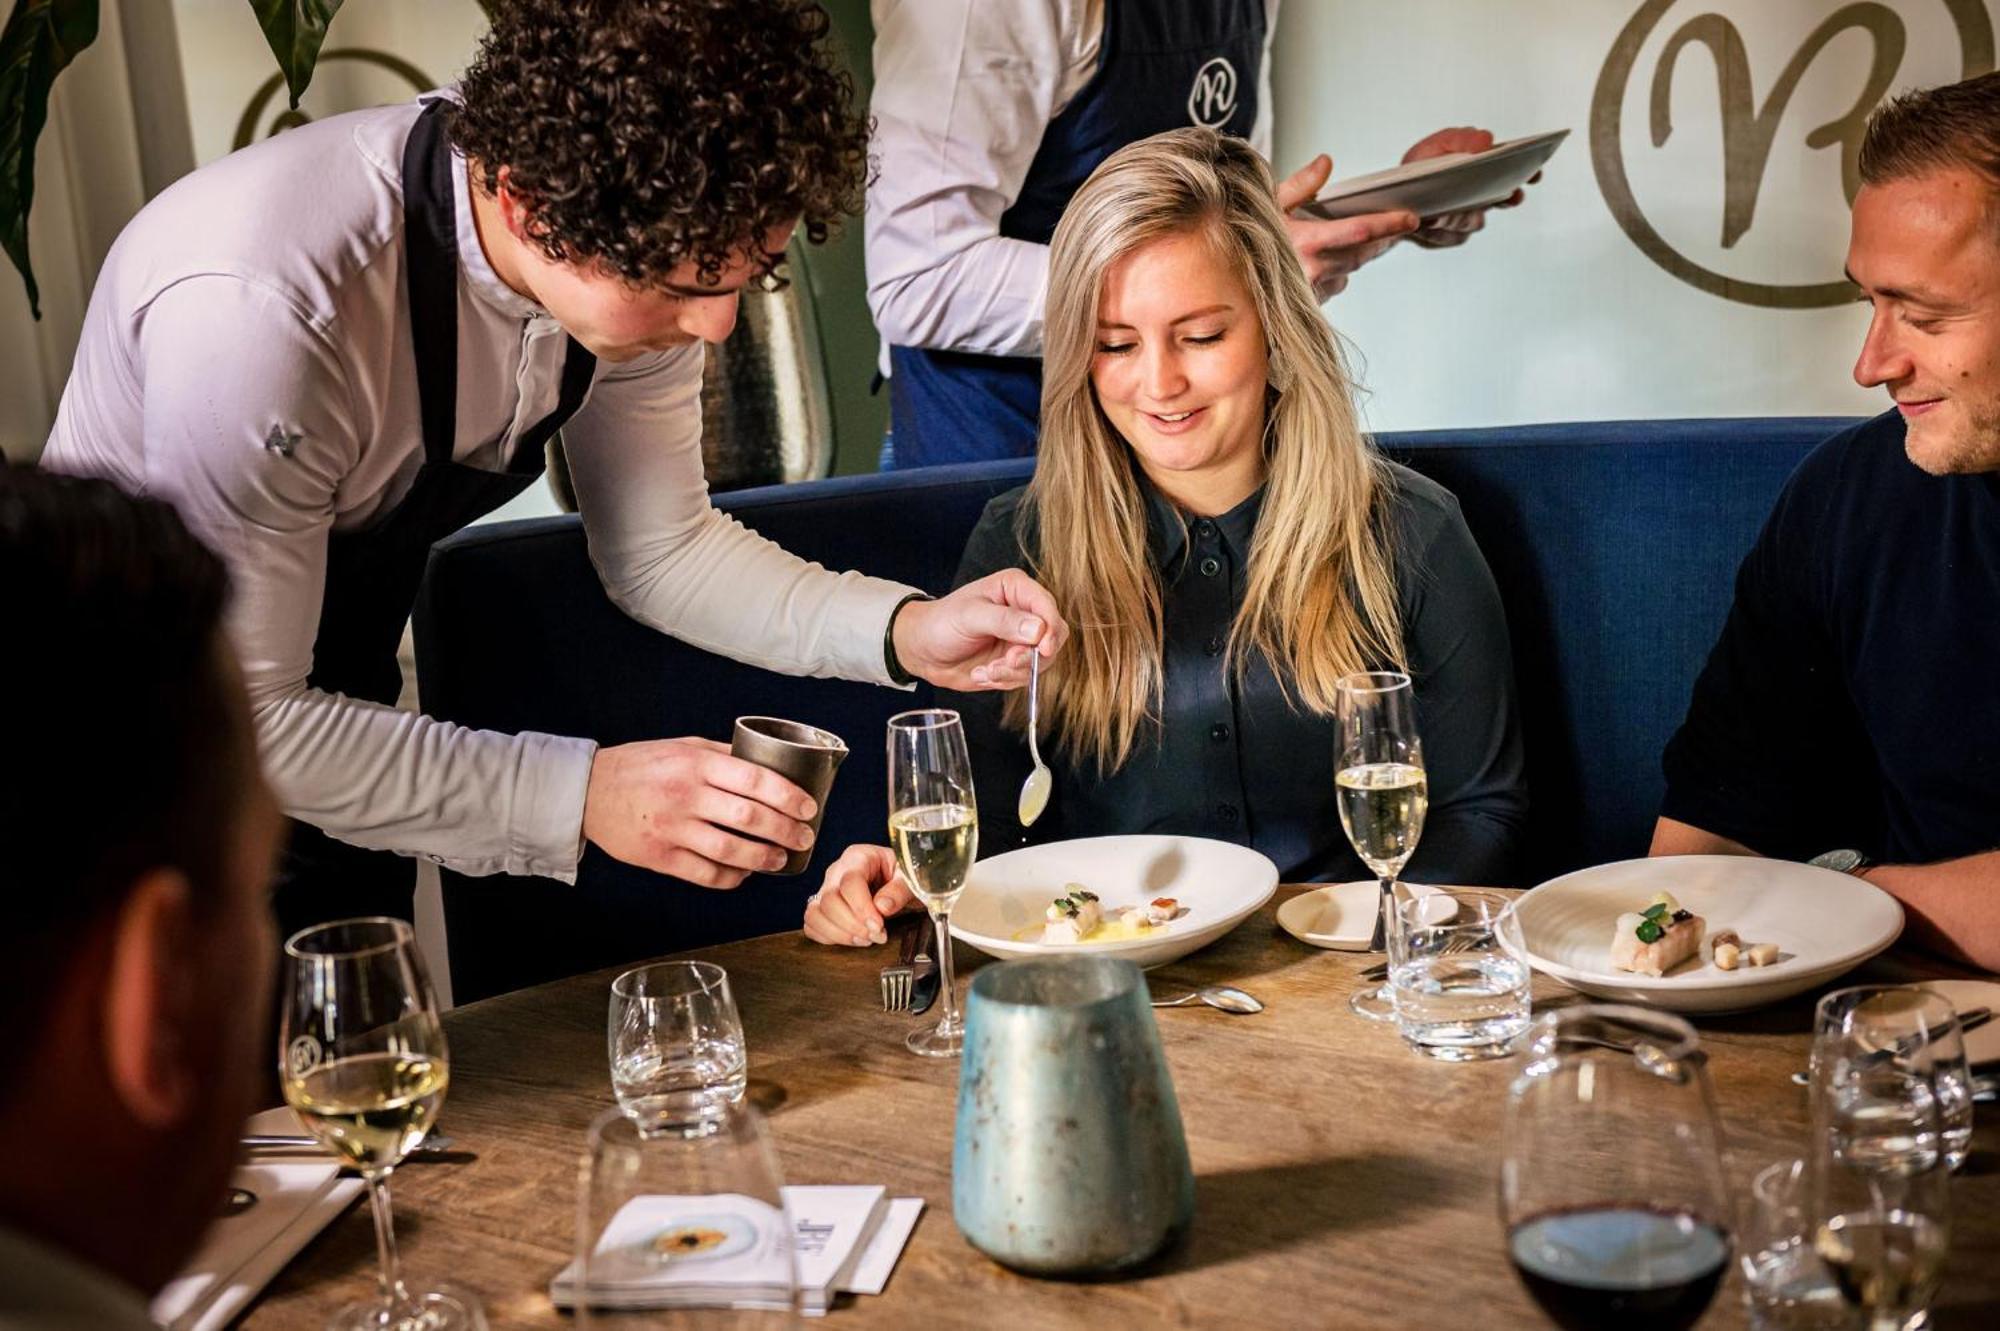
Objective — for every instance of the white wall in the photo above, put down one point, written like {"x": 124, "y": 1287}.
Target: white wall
{"x": 1553, "y": 313}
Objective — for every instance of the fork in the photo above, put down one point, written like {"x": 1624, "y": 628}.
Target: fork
{"x": 896, "y": 979}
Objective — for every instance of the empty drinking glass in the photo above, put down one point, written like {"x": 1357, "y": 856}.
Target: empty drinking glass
{"x": 1459, "y": 974}
{"x": 677, "y": 1051}
{"x": 681, "y": 1227}
{"x": 1785, "y": 1285}
{"x": 1864, "y": 1039}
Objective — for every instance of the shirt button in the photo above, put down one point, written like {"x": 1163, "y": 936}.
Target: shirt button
{"x": 1204, "y": 529}
{"x": 1210, "y": 566}
{"x": 1226, "y": 812}
{"x": 1219, "y": 731}
{"x": 1214, "y": 645}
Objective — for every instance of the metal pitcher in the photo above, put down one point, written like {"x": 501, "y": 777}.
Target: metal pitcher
{"x": 765, "y": 418}
{"x": 1069, "y": 1157}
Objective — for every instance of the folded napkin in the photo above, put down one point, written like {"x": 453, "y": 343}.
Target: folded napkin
{"x": 847, "y": 1240}
{"x": 241, "y": 1253}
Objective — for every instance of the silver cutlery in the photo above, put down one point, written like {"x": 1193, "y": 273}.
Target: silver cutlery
{"x": 896, "y": 979}
{"x": 1223, "y": 997}
{"x": 1035, "y": 790}
{"x": 434, "y": 1144}
{"x": 924, "y": 990}
{"x": 1969, "y": 1020}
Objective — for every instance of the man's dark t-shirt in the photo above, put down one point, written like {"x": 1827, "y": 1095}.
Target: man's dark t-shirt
{"x": 1853, "y": 700}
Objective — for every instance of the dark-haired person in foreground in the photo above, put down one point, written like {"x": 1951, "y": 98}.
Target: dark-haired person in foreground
{"x": 338, "y": 346}
{"x": 1851, "y": 710}
{"x": 135, "y": 965}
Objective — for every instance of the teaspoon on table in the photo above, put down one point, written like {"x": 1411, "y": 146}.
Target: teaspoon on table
{"x": 1224, "y": 997}
{"x": 1035, "y": 790}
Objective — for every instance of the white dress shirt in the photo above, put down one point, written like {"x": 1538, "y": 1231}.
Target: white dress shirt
{"x": 964, "y": 90}
{"x": 247, "y": 356}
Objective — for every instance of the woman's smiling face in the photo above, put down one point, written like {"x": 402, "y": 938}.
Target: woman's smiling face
{"x": 1180, "y": 370}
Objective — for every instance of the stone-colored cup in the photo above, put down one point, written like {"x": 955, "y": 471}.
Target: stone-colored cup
{"x": 1069, "y": 1158}
{"x": 804, "y": 755}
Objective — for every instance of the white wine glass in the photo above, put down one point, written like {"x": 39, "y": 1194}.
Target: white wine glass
{"x": 1384, "y": 795}
{"x": 1880, "y": 1181}
{"x": 934, "y": 826}
{"x": 363, "y": 1062}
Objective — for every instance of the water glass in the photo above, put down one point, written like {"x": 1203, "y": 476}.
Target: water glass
{"x": 1459, "y": 974}
{"x": 675, "y": 1226}
{"x": 676, "y": 1043}
{"x": 1785, "y": 1285}
{"x": 1865, "y": 1039}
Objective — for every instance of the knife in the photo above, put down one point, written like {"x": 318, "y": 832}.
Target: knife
{"x": 924, "y": 988}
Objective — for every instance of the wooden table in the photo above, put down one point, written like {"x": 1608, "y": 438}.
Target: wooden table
{"x": 1341, "y": 1180}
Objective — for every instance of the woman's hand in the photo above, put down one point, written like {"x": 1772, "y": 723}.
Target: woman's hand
{"x": 861, "y": 888}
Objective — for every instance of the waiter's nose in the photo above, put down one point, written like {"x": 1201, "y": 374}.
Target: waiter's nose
{"x": 709, "y": 318}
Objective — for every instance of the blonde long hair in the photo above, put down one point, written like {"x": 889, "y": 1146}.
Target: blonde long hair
{"x": 1321, "y": 595}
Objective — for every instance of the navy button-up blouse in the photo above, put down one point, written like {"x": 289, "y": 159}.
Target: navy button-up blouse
{"x": 1247, "y": 764}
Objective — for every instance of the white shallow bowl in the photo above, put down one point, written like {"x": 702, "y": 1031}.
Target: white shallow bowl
{"x": 1218, "y": 885}
{"x": 1824, "y": 924}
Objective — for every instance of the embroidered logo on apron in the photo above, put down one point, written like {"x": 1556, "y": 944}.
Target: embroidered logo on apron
{"x": 1213, "y": 96}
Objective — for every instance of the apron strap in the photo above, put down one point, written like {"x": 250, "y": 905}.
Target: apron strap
{"x": 430, "y": 247}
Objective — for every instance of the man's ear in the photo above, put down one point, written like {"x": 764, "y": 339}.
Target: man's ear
{"x": 149, "y": 1001}
{"x": 514, "y": 211}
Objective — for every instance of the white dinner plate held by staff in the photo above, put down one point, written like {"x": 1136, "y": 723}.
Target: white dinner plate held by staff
{"x": 1217, "y": 884}
{"x": 1449, "y": 183}
{"x": 1824, "y": 924}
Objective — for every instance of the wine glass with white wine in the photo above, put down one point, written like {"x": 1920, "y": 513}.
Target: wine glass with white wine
{"x": 363, "y": 1060}
{"x": 934, "y": 826}
{"x": 1379, "y": 771}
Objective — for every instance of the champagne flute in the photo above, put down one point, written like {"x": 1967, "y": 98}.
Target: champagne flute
{"x": 934, "y": 826}
{"x": 363, "y": 1061}
{"x": 1379, "y": 773}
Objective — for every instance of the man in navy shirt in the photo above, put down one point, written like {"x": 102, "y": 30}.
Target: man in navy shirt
{"x": 1851, "y": 709}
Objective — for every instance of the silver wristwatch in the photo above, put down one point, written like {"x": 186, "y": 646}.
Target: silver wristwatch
{"x": 1841, "y": 861}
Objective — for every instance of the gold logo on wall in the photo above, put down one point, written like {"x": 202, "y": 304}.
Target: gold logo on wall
{"x": 1749, "y": 130}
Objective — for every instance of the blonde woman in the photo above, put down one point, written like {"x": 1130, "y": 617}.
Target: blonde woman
{"x": 1226, "y": 544}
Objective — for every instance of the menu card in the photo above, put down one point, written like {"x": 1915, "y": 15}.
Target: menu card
{"x": 728, "y": 1251}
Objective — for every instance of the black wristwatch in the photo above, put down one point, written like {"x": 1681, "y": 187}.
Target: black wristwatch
{"x": 1842, "y": 861}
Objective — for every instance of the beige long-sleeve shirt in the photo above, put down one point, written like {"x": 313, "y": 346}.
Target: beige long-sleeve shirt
{"x": 247, "y": 356}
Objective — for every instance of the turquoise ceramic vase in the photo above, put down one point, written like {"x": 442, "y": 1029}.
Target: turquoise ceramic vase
{"x": 1069, "y": 1158}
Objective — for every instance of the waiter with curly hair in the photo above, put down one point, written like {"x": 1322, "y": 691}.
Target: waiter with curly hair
{"x": 336, "y": 347}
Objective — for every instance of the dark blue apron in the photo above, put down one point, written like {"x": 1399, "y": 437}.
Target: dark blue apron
{"x": 1162, "y": 65}
{"x": 372, "y": 574}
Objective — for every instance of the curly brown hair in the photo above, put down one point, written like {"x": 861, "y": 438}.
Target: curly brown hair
{"x": 645, "y": 134}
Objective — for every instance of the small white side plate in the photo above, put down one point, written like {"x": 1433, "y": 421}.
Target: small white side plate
{"x": 1340, "y": 916}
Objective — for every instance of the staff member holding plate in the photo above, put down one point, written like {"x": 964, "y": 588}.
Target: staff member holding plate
{"x": 334, "y": 348}
{"x": 988, "y": 116}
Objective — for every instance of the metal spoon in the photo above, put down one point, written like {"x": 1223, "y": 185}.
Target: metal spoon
{"x": 1224, "y": 997}
{"x": 1035, "y": 790}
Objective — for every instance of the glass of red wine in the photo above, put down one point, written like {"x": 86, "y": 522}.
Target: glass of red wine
{"x": 1611, "y": 1173}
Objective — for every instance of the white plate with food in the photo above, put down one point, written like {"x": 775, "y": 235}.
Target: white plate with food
{"x": 1148, "y": 899}
{"x": 1448, "y": 183}
{"x": 1735, "y": 932}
